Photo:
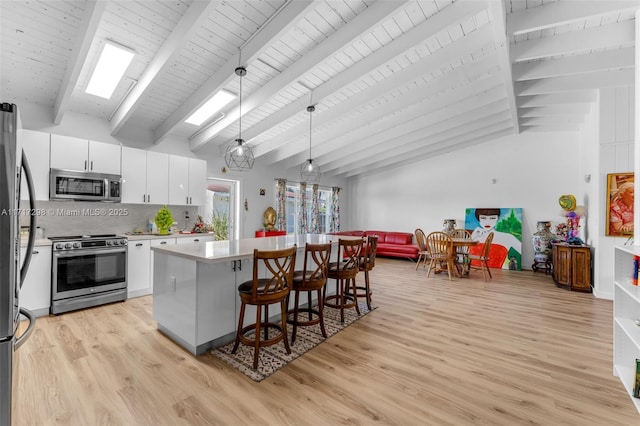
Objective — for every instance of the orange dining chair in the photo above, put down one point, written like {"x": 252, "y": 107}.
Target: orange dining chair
{"x": 423, "y": 254}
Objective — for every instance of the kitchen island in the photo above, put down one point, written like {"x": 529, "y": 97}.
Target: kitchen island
{"x": 195, "y": 286}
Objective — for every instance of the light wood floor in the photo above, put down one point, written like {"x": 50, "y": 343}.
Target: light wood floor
{"x": 516, "y": 350}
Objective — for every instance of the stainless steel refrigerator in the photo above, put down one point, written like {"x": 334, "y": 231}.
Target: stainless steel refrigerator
{"x": 13, "y": 164}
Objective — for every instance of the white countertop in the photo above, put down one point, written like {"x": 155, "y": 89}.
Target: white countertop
{"x": 145, "y": 236}
{"x": 222, "y": 251}
{"x": 39, "y": 242}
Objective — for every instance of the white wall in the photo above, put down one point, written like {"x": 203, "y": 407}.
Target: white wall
{"x": 531, "y": 170}
{"x": 616, "y": 139}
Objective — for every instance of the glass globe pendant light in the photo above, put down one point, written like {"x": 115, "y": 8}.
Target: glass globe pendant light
{"x": 239, "y": 155}
{"x": 310, "y": 172}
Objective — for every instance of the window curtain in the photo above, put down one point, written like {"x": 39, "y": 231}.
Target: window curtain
{"x": 281, "y": 223}
{"x": 303, "y": 222}
{"x": 314, "y": 228}
{"x": 334, "y": 225}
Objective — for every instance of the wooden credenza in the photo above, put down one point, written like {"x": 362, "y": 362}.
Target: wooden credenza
{"x": 572, "y": 266}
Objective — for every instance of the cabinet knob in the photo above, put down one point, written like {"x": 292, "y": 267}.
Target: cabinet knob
{"x": 138, "y": 244}
{"x": 35, "y": 252}
{"x": 163, "y": 242}
{"x": 197, "y": 240}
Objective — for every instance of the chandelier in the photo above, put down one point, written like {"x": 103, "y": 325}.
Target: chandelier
{"x": 239, "y": 155}
{"x": 310, "y": 172}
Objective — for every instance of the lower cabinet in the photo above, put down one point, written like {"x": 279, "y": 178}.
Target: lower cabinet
{"x": 138, "y": 269}
{"x": 572, "y": 266}
{"x": 35, "y": 294}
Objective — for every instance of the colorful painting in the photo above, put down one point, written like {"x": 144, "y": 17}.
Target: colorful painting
{"x": 506, "y": 224}
{"x": 620, "y": 200}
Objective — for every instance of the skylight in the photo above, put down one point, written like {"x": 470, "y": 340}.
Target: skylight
{"x": 112, "y": 64}
{"x": 213, "y": 105}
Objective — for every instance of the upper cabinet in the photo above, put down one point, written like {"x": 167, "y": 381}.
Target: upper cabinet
{"x": 187, "y": 181}
{"x": 36, "y": 147}
{"x": 81, "y": 154}
{"x": 145, "y": 177}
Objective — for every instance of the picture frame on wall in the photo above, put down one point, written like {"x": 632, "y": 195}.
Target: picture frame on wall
{"x": 620, "y": 195}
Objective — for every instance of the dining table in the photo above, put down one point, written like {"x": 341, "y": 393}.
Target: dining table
{"x": 462, "y": 267}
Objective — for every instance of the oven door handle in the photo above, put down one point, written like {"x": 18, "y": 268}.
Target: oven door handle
{"x": 72, "y": 253}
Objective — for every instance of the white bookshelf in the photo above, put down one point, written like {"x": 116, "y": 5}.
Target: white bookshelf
{"x": 626, "y": 310}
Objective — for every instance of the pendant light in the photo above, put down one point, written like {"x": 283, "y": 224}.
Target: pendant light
{"x": 310, "y": 172}
{"x": 239, "y": 155}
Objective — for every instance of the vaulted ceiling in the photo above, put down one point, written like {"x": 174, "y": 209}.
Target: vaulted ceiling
{"x": 392, "y": 81}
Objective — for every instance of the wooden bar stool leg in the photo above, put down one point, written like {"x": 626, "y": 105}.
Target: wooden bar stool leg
{"x": 256, "y": 344}
{"x": 321, "y": 312}
{"x": 355, "y": 295}
{"x": 239, "y": 331}
{"x": 367, "y": 289}
{"x": 283, "y": 321}
{"x": 295, "y": 318}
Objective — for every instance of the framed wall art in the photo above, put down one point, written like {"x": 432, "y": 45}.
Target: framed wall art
{"x": 619, "y": 205}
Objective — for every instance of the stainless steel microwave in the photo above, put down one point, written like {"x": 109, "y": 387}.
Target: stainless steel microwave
{"x": 83, "y": 186}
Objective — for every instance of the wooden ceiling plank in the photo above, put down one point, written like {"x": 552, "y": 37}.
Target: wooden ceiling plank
{"x": 87, "y": 31}
{"x": 344, "y": 36}
{"x": 568, "y": 98}
{"x": 194, "y": 17}
{"x": 576, "y": 64}
{"x": 555, "y": 110}
{"x": 470, "y": 43}
{"x": 560, "y": 13}
{"x": 272, "y": 31}
{"x": 424, "y": 107}
{"x": 613, "y": 35}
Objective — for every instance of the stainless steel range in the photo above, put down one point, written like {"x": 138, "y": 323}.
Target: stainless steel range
{"x": 88, "y": 270}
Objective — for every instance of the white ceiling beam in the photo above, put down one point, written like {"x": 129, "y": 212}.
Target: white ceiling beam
{"x": 562, "y": 12}
{"x": 280, "y": 24}
{"x": 422, "y": 128}
{"x": 362, "y": 23}
{"x": 551, "y": 128}
{"x": 555, "y": 110}
{"x": 372, "y": 126}
{"x": 586, "y": 96}
{"x": 86, "y": 33}
{"x": 195, "y": 16}
{"x": 496, "y": 9}
{"x": 436, "y": 23}
{"x": 577, "y": 64}
{"x": 454, "y": 78}
{"x": 552, "y": 120}
{"x": 606, "y": 36}
{"x": 471, "y": 121}
{"x": 596, "y": 80}
{"x": 453, "y": 143}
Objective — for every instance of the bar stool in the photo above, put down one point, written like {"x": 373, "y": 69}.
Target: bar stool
{"x": 344, "y": 271}
{"x": 260, "y": 292}
{"x": 367, "y": 262}
{"x": 312, "y": 277}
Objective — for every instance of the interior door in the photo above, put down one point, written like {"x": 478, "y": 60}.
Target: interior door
{"x": 221, "y": 208}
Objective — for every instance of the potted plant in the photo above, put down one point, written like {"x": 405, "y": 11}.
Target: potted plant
{"x": 163, "y": 220}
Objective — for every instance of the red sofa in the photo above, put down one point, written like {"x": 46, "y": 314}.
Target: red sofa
{"x": 391, "y": 244}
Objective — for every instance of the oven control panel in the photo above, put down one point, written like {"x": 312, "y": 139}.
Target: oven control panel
{"x": 89, "y": 243}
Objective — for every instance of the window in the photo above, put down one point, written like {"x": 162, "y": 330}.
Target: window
{"x": 220, "y": 212}
{"x": 293, "y": 206}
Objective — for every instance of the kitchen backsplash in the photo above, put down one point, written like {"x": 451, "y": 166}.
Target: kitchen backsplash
{"x": 62, "y": 218}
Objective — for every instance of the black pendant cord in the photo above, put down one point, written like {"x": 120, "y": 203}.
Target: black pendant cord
{"x": 240, "y": 108}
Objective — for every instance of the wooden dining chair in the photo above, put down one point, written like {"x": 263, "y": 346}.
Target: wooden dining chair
{"x": 423, "y": 254}
{"x": 462, "y": 252}
{"x": 441, "y": 255}
{"x": 273, "y": 288}
{"x": 481, "y": 261}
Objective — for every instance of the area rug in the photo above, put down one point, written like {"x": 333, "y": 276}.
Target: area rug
{"x": 272, "y": 358}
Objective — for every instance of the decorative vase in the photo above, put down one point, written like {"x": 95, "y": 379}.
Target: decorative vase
{"x": 449, "y": 225}
{"x": 542, "y": 242}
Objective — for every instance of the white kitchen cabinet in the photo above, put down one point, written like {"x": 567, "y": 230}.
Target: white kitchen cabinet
{"x": 138, "y": 270}
{"x": 72, "y": 153}
{"x": 626, "y": 315}
{"x": 202, "y": 238}
{"x": 187, "y": 181}
{"x": 36, "y": 147}
{"x": 35, "y": 294}
{"x": 145, "y": 177}
{"x": 157, "y": 242}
